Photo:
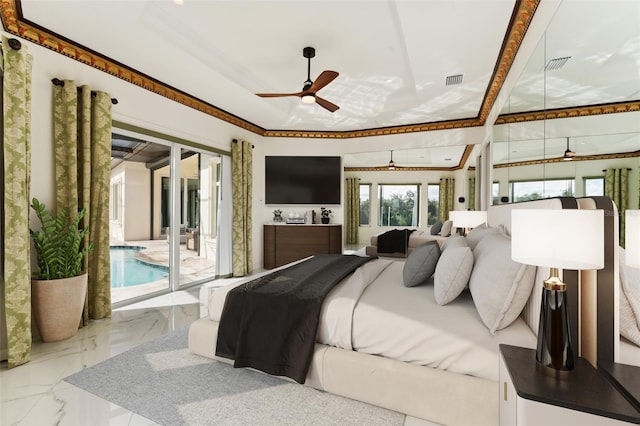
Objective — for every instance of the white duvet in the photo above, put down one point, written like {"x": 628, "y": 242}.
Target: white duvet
{"x": 371, "y": 311}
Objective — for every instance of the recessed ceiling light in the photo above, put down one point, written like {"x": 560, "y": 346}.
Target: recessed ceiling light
{"x": 447, "y": 159}
{"x": 179, "y": 2}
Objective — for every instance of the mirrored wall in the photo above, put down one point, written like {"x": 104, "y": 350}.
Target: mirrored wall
{"x": 561, "y": 127}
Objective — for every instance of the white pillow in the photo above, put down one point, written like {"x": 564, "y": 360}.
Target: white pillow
{"x": 499, "y": 286}
{"x": 445, "y": 231}
{"x": 452, "y": 273}
{"x": 629, "y": 296}
{"x": 630, "y": 285}
{"x": 453, "y": 241}
{"x": 477, "y": 233}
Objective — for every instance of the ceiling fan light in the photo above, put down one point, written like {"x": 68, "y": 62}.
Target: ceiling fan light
{"x": 392, "y": 165}
{"x": 308, "y": 99}
{"x": 568, "y": 154}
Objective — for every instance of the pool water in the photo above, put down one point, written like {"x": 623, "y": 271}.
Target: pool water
{"x": 127, "y": 271}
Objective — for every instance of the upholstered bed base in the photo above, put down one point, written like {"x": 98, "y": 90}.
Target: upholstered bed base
{"x": 407, "y": 388}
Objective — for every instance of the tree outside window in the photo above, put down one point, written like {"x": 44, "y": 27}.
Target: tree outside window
{"x": 365, "y": 204}
{"x": 535, "y": 190}
{"x": 399, "y": 205}
{"x": 433, "y": 203}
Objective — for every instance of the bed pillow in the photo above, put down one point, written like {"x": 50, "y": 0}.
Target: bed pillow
{"x": 452, "y": 242}
{"x": 477, "y": 233}
{"x": 499, "y": 286}
{"x": 629, "y": 299}
{"x": 452, "y": 273}
{"x": 436, "y": 227}
{"x": 630, "y": 285}
{"x": 421, "y": 264}
{"x": 446, "y": 228}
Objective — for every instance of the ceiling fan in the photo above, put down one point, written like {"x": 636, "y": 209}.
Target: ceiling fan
{"x": 310, "y": 88}
{"x": 568, "y": 154}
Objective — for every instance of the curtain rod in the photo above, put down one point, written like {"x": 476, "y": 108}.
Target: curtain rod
{"x": 236, "y": 141}
{"x": 14, "y": 44}
{"x": 628, "y": 168}
{"x": 58, "y": 82}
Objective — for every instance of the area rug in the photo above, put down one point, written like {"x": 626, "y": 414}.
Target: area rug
{"x": 163, "y": 382}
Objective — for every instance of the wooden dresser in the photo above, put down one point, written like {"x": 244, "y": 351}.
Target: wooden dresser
{"x": 284, "y": 243}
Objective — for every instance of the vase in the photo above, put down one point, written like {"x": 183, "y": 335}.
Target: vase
{"x": 325, "y": 220}
{"x": 57, "y": 306}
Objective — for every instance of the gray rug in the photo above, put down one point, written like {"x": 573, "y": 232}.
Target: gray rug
{"x": 162, "y": 381}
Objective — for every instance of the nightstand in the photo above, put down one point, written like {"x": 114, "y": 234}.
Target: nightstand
{"x": 584, "y": 397}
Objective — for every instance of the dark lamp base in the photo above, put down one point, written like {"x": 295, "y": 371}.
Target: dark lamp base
{"x": 554, "y": 350}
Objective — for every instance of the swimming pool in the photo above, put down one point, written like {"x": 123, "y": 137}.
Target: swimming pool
{"x": 127, "y": 271}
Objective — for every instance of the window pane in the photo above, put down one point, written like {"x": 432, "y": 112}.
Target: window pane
{"x": 365, "y": 204}
{"x": 593, "y": 187}
{"x": 398, "y": 205}
{"x": 535, "y": 190}
{"x": 495, "y": 192}
{"x": 433, "y": 203}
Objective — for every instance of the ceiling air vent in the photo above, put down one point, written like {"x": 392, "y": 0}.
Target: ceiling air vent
{"x": 557, "y": 63}
{"x": 452, "y": 80}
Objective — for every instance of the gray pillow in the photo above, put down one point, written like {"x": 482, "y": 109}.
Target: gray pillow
{"x": 446, "y": 228}
{"x": 421, "y": 264}
{"x": 499, "y": 286}
{"x": 436, "y": 227}
{"x": 452, "y": 273}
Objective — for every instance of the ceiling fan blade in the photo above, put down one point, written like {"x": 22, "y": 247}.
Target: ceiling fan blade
{"x": 323, "y": 79}
{"x": 326, "y": 104}
{"x": 278, "y": 95}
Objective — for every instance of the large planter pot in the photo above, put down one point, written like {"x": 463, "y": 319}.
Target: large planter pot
{"x": 57, "y": 306}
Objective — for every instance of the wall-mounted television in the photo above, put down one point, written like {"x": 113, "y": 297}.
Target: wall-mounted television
{"x": 302, "y": 180}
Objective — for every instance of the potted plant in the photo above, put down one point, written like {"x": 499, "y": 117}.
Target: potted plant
{"x": 324, "y": 215}
{"x": 59, "y": 285}
{"x": 277, "y": 215}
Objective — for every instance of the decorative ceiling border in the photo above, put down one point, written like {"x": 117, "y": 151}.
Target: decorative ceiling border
{"x": 562, "y": 160}
{"x": 522, "y": 15}
{"x": 14, "y": 22}
{"x": 582, "y": 111}
{"x": 463, "y": 160}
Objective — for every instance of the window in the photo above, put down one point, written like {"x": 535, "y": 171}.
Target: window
{"x": 365, "y": 204}
{"x": 433, "y": 203}
{"x": 399, "y": 205}
{"x": 535, "y": 190}
{"x": 593, "y": 186}
{"x": 495, "y": 193}
{"x": 115, "y": 200}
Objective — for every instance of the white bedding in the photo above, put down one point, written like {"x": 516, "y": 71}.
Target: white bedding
{"x": 406, "y": 324}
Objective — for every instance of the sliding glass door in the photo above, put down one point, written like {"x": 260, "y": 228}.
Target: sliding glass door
{"x": 164, "y": 206}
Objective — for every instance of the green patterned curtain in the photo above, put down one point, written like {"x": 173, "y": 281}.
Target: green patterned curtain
{"x": 82, "y": 133}
{"x": 616, "y": 187}
{"x": 16, "y": 156}
{"x": 472, "y": 193}
{"x": 242, "y": 189}
{"x": 352, "y": 210}
{"x": 446, "y": 198}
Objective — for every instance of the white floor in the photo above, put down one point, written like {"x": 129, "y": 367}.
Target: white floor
{"x": 36, "y": 394}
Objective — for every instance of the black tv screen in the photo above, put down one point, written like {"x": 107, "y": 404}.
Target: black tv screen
{"x": 302, "y": 180}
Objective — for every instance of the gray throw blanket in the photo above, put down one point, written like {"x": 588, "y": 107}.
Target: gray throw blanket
{"x": 271, "y": 323}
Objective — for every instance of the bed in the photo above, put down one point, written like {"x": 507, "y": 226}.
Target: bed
{"x": 403, "y": 350}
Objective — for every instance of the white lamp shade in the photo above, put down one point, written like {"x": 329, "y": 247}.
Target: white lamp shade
{"x": 632, "y": 238}
{"x": 467, "y": 218}
{"x": 567, "y": 239}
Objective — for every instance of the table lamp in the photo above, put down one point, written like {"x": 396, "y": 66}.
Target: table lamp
{"x": 632, "y": 238}
{"x": 558, "y": 239}
{"x": 467, "y": 219}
